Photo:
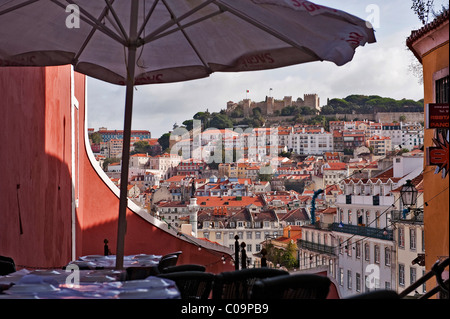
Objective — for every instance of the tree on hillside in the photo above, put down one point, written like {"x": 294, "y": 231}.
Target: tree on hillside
{"x": 164, "y": 141}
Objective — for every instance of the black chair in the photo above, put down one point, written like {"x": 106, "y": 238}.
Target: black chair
{"x": 7, "y": 265}
{"x": 297, "y": 286}
{"x": 192, "y": 284}
{"x": 185, "y": 267}
{"x": 168, "y": 260}
{"x": 139, "y": 273}
{"x": 377, "y": 294}
{"x": 238, "y": 284}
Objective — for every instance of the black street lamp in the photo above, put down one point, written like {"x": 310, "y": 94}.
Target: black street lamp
{"x": 408, "y": 194}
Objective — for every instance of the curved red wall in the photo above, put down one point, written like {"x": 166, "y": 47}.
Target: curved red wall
{"x": 37, "y": 154}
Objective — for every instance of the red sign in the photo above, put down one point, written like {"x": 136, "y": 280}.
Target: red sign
{"x": 437, "y": 115}
{"x": 439, "y": 155}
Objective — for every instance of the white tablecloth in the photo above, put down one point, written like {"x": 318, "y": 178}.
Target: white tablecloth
{"x": 104, "y": 283}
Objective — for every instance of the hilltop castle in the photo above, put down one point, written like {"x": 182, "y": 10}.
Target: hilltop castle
{"x": 270, "y": 105}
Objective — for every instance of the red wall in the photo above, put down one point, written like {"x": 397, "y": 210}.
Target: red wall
{"x": 36, "y": 153}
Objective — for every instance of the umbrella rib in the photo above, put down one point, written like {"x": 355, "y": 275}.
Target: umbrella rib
{"x": 91, "y": 34}
{"x": 116, "y": 18}
{"x": 94, "y": 22}
{"x": 258, "y": 25}
{"x": 187, "y": 38}
{"x": 150, "y": 12}
{"x": 175, "y": 21}
{"x": 161, "y": 35}
{"x": 17, "y": 6}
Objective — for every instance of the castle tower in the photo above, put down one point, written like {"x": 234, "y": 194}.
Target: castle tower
{"x": 269, "y": 105}
{"x": 312, "y": 101}
{"x": 246, "y": 106}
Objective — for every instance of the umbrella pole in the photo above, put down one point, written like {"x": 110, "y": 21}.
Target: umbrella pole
{"x": 123, "y": 203}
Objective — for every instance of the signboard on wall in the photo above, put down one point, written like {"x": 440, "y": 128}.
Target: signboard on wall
{"x": 437, "y": 116}
{"x": 438, "y": 155}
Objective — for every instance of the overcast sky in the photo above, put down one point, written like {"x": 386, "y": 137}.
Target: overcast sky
{"x": 380, "y": 68}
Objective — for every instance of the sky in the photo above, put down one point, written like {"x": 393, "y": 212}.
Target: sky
{"x": 381, "y": 68}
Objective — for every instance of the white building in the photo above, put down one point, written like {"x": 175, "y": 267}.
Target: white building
{"x": 364, "y": 229}
{"x": 311, "y": 141}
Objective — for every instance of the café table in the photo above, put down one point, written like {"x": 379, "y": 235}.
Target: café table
{"x": 100, "y": 282}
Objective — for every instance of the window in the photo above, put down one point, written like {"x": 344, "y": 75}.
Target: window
{"x": 424, "y": 286}
{"x": 349, "y": 279}
{"x": 258, "y": 235}
{"x": 348, "y": 199}
{"x": 349, "y": 215}
{"x": 358, "y": 250}
{"x": 412, "y": 275}
{"x": 358, "y": 282}
{"x": 230, "y": 235}
{"x": 341, "y": 277}
{"x": 401, "y": 274}
{"x": 387, "y": 256}
{"x": 367, "y": 252}
{"x": 359, "y": 217}
{"x": 377, "y": 217}
{"x": 249, "y": 235}
{"x": 401, "y": 237}
{"x": 349, "y": 247}
{"x": 258, "y": 247}
{"x": 377, "y": 254}
{"x": 412, "y": 238}
{"x": 387, "y": 285}
{"x": 341, "y": 246}
{"x": 442, "y": 88}
{"x": 218, "y": 235}
{"x": 367, "y": 218}
{"x": 423, "y": 240}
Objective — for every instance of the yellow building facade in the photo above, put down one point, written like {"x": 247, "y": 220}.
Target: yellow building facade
{"x": 430, "y": 45}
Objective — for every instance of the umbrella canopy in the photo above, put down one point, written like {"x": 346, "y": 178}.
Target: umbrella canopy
{"x": 161, "y": 41}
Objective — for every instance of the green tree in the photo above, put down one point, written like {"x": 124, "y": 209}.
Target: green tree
{"x": 288, "y": 259}
{"x": 220, "y": 121}
{"x": 141, "y": 147}
{"x": 96, "y": 137}
{"x": 108, "y": 161}
{"x": 164, "y": 141}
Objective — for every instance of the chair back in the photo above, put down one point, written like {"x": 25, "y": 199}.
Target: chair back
{"x": 167, "y": 261}
{"x": 238, "y": 284}
{"x": 185, "y": 267}
{"x": 297, "y": 286}
{"x": 192, "y": 284}
{"x": 7, "y": 265}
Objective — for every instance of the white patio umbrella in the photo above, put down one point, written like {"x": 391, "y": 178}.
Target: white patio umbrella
{"x": 134, "y": 42}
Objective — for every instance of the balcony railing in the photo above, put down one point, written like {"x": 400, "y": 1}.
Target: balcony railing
{"x": 323, "y": 249}
{"x": 412, "y": 216}
{"x": 363, "y": 231}
{"x": 369, "y": 200}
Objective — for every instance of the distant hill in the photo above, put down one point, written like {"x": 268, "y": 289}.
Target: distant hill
{"x": 370, "y": 104}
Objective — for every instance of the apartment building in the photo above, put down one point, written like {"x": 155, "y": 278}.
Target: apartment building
{"x": 380, "y": 145}
{"x": 252, "y": 227}
{"x": 410, "y": 240}
{"x": 367, "y": 256}
{"x": 311, "y": 141}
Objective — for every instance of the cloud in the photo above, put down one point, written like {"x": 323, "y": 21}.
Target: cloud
{"x": 376, "y": 69}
